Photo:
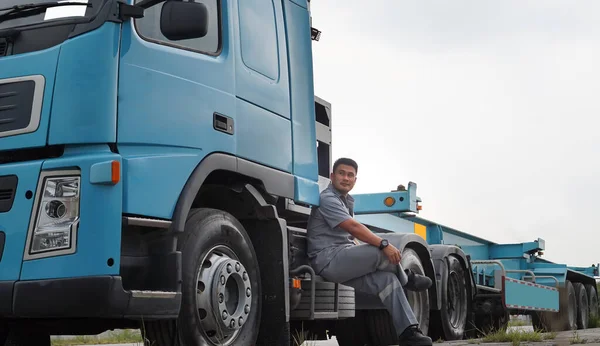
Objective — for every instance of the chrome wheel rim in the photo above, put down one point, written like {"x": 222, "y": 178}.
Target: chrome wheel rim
{"x": 223, "y": 296}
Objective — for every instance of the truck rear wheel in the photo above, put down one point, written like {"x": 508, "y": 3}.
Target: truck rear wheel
{"x": 221, "y": 285}
{"x": 592, "y": 301}
{"x": 565, "y": 319}
{"x": 453, "y": 313}
{"x": 582, "y": 305}
{"x": 381, "y": 327}
{"x": 419, "y": 301}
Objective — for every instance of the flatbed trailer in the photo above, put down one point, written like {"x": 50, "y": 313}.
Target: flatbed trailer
{"x": 478, "y": 283}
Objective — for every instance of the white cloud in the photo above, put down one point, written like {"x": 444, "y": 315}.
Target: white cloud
{"x": 489, "y": 106}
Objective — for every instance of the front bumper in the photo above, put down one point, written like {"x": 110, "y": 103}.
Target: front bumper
{"x": 84, "y": 297}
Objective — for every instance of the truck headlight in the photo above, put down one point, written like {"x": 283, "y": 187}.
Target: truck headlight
{"x": 57, "y": 216}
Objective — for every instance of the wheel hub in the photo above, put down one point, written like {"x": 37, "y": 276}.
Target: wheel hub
{"x": 224, "y": 296}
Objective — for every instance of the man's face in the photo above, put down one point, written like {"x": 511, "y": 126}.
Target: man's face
{"x": 344, "y": 178}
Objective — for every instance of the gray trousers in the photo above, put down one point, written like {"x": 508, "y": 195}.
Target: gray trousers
{"x": 366, "y": 268}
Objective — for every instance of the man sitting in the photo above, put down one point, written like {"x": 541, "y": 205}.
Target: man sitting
{"x": 373, "y": 267}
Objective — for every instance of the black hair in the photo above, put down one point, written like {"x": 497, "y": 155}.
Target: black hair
{"x": 345, "y": 161}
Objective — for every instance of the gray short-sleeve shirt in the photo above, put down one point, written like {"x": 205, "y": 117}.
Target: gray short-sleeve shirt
{"x": 325, "y": 237}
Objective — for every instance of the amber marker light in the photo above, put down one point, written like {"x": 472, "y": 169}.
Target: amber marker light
{"x": 389, "y": 201}
{"x": 115, "y": 172}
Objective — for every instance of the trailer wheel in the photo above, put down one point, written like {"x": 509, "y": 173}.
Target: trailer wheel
{"x": 582, "y": 305}
{"x": 592, "y": 301}
{"x": 453, "y": 313}
{"x": 565, "y": 319}
{"x": 220, "y": 285}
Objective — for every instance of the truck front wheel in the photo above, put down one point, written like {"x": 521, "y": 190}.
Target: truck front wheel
{"x": 221, "y": 284}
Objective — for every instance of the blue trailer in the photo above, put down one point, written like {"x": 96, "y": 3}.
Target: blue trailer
{"x": 158, "y": 160}
{"x": 478, "y": 283}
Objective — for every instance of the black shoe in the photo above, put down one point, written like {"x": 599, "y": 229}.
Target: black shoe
{"x": 417, "y": 282}
{"x": 413, "y": 336}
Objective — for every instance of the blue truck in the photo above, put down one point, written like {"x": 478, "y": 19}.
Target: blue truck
{"x": 158, "y": 162}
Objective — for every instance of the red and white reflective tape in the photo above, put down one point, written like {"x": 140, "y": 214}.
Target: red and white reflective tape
{"x": 531, "y": 284}
{"x": 523, "y": 307}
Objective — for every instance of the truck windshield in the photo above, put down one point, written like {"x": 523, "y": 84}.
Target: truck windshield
{"x": 29, "y": 17}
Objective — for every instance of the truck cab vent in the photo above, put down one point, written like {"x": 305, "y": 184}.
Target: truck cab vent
{"x": 5, "y": 194}
{"x": 8, "y": 187}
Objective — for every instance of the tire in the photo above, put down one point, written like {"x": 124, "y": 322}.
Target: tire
{"x": 583, "y": 311}
{"x": 218, "y": 262}
{"x": 381, "y": 327}
{"x": 419, "y": 301}
{"x": 565, "y": 319}
{"x": 353, "y": 331}
{"x": 592, "y": 301}
{"x": 454, "y": 305}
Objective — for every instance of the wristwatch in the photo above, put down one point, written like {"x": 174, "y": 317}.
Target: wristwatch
{"x": 383, "y": 244}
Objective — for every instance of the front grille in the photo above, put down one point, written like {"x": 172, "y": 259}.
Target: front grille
{"x": 8, "y": 188}
{"x": 20, "y": 105}
{"x": 3, "y": 47}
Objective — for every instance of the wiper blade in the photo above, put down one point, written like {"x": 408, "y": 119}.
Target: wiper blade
{"x": 27, "y": 9}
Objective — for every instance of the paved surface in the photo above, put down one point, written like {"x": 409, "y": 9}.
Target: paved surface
{"x": 587, "y": 337}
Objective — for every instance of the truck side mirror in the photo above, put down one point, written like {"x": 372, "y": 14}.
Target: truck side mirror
{"x": 183, "y": 20}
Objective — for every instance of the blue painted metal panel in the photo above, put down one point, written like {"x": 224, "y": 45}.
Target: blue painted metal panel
{"x": 373, "y": 203}
{"x": 302, "y": 91}
{"x": 516, "y": 250}
{"x": 450, "y": 235}
{"x": 306, "y": 191}
{"x": 99, "y": 234}
{"x": 167, "y": 96}
{"x": 37, "y": 63}
{"x": 101, "y": 173}
{"x": 84, "y": 108}
{"x": 263, "y": 137}
{"x": 558, "y": 271}
{"x": 15, "y": 222}
{"x": 387, "y": 222}
{"x": 477, "y": 252}
{"x": 154, "y": 177}
{"x": 261, "y": 60}
{"x": 528, "y": 296}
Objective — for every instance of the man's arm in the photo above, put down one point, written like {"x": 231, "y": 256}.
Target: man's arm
{"x": 360, "y": 232}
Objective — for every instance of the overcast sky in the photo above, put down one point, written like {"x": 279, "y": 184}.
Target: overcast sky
{"x": 491, "y": 107}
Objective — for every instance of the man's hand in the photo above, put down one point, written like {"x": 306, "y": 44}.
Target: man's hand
{"x": 392, "y": 254}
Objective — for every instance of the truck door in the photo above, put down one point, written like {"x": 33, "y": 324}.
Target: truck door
{"x": 170, "y": 94}
{"x": 262, "y": 87}
{"x": 170, "y": 90}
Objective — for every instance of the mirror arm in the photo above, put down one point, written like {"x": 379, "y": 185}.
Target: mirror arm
{"x": 127, "y": 11}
